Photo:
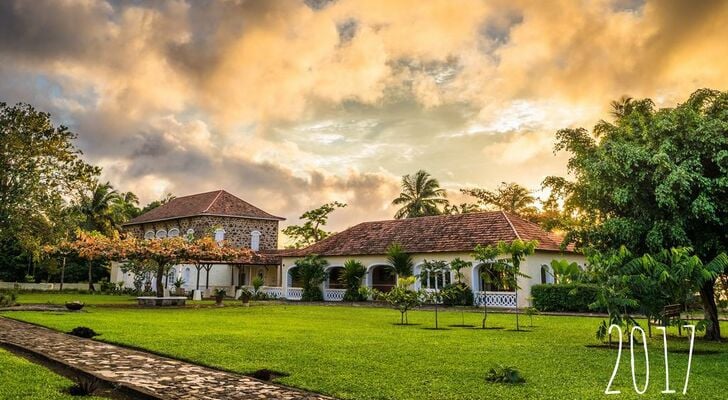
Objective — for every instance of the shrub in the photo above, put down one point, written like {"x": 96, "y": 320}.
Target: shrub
{"x": 575, "y": 297}
{"x": 311, "y": 271}
{"x": 457, "y": 294}
{"x": 504, "y": 374}
{"x": 85, "y": 386}
{"x": 8, "y": 299}
{"x": 353, "y": 274}
{"x": 84, "y": 332}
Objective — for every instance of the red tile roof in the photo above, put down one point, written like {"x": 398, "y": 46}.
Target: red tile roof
{"x": 218, "y": 202}
{"x": 441, "y": 233}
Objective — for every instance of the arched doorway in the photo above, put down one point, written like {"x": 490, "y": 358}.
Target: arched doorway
{"x": 333, "y": 279}
{"x": 294, "y": 281}
{"x": 490, "y": 279}
{"x": 382, "y": 278}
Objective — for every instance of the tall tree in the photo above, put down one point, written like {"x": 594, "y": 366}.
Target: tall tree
{"x": 654, "y": 179}
{"x": 97, "y": 205}
{"x": 508, "y": 197}
{"x": 421, "y": 196}
{"x": 39, "y": 169}
{"x": 310, "y": 231}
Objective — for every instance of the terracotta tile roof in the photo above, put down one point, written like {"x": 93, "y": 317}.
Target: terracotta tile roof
{"x": 218, "y": 202}
{"x": 442, "y": 233}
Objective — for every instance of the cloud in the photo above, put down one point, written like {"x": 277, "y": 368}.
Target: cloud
{"x": 292, "y": 104}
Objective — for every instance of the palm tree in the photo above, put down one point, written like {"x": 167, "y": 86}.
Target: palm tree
{"x": 351, "y": 277}
{"x": 126, "y": 207}
{"x": 97, "y": 208}
{"x": 421, "y": 195}
{"x": 508, "y": 197}
{"x": 401, "y": 261}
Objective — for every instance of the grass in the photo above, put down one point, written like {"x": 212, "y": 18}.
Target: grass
{"x": 360, "y": 353}
{"x": 22, "y": 379}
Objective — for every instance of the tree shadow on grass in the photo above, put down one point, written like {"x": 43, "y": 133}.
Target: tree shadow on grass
{"x": 461, "y": 326}
{"x": 398, "y": 324}
{"x": 436, "y": 329}
{"x": 518, "y": 330}
{"x": 489, "y": 328}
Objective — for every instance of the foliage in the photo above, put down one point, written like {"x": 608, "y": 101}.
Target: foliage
{"x": 351, "y": 277}
{"x": 311, "y": 271}
{"x": 401, "y": 261}
{"x": 86, "y": 385}
{"x": 84, "y": 332}
{"x": 433, "y": 269}
{"x": 220, "y": 293}
{"x": 457, "y": 294}
{"x": 421, "y": 196}
{"x": 457, "y": 265}
{"x": 310, "y": 231}
{"x": 39, "y": 169}
{"x": 179, "y": 282}
{"x": 564, "y": 271}
{"x": 504, "y": 374}
{"x": 462, "y": 208}
{"x": 257, "y": 284}
{"x": 8, "y": 299}
{"x": 402, "y": 298}
{"x": 97, "y": 206}
{"x": 509, "y": 197}
{"x": 653, "y": 179}
{"x": 572, "y": 297}
{"x": 246, "y": 295}
{"x": 495, "y": 274}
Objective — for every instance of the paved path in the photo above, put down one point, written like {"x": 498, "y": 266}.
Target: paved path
{"x": 146, "y": 373}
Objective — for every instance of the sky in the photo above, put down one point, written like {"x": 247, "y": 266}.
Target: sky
{"x": 292, "y": 104}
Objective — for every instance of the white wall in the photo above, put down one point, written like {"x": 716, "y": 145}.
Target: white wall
{"x": 219, "y": 276}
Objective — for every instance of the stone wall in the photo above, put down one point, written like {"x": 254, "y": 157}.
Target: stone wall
{"x": 237, "y": 230}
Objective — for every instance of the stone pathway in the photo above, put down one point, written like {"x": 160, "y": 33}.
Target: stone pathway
{"x": 146, "y": 373}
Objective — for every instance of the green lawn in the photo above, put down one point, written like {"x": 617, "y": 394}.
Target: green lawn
{"x": 21, "y": 379}
{"x": 359, "y": 353}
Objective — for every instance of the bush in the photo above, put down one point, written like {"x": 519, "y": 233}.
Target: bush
{"x": 575, "y": 297}
{"x": 457, "y": 294}
{"x": 504, "y": 374}
{"x": 84, "y": 332}
{"x": 7, "y": 299}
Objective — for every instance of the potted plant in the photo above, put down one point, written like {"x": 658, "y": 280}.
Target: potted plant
{"x": 257, "y": 284}
{"x": 74, "y": 305}
{"x": 219, "y": 295}
{"x": 178, "y": 291}
{"x": 245, "y": 296}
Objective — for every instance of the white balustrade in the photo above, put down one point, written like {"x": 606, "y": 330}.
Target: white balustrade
{"x": 294, "y": 293}
{"x": 334, "y": 294}
{"x": 273, "y": 291}
{"x": 495, "y": 299}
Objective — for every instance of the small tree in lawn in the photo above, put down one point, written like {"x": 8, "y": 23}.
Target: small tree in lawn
{"x": 518, "y": 251}
{"x": 351, "y": 277}
{"x": 433, "y": 269}
{"x": 402, "y": 298}
{"x": 311, "y": 270}
{"x": 401, "y": 261}
{"x": 495, "y": 274}
{"x": 459, "y": 293}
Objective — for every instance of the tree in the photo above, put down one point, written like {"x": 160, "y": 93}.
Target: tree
{"x": 421, "y": 196}
{"x": 518, "y": 250}
{"x": 310, "y": 231}
{"x": 156, "y": 203}
{"x": 401, "y": 261}
{"x": 434, "y": 269}
{"x": 462, "y": 208}
{"x": 509, "y": 197}
{"x": 402, "y": 298}
{"x": 39, "y": 169}
{"x": 126, "y": 207}
{"x": 351, "y": 277}
{"x": 206, "y": 252}
{"x": 97, "y": 207}
{"x": 90, "y": 247}
{"x": 495, "y": 274}
{"x": 164, "y": 253}
{"x": 311, "y": 271}
{"x": 653, "y": 179}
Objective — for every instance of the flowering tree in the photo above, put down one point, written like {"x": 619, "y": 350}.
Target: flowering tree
{"x": 90, "y": 247}
{"x": 164, "y": 253}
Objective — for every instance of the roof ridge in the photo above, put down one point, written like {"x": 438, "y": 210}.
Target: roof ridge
{"x": 510, "y": 224}
{"x": 213, "y": 201}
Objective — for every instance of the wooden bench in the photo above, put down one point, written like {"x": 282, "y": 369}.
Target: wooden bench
{"x": 671, "y": 311}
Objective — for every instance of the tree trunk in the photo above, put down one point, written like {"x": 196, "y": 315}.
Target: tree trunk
{"x": 63, "y": 271}
{"x": 90, "y": 277}
{"x": 160, "y": 281}
{"x": 707, "y": 294}
{"x": 436, "y": 327}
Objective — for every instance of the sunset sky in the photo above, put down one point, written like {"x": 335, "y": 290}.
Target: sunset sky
{"x": 292, "y": 104}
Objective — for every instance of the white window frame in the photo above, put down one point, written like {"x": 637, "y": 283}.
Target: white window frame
{"x": 174, "y": 232}
{"x": 161, "y": 234}
{"x": 255, "y": 240}
{"x": 219, "y": 235}
{"x": 149, "y": 235}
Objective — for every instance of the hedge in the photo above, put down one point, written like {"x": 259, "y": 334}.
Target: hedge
{"x": 574, "y": 297}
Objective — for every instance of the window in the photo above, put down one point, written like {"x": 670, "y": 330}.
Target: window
{"x": 437, "y": 281}
{"x": 149, "y": 235}
{"x": 255, "y": 240}
{"x": 161, "y": 234}
{"x": 174, "y": 232}
{"x": 219, "y": 234}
